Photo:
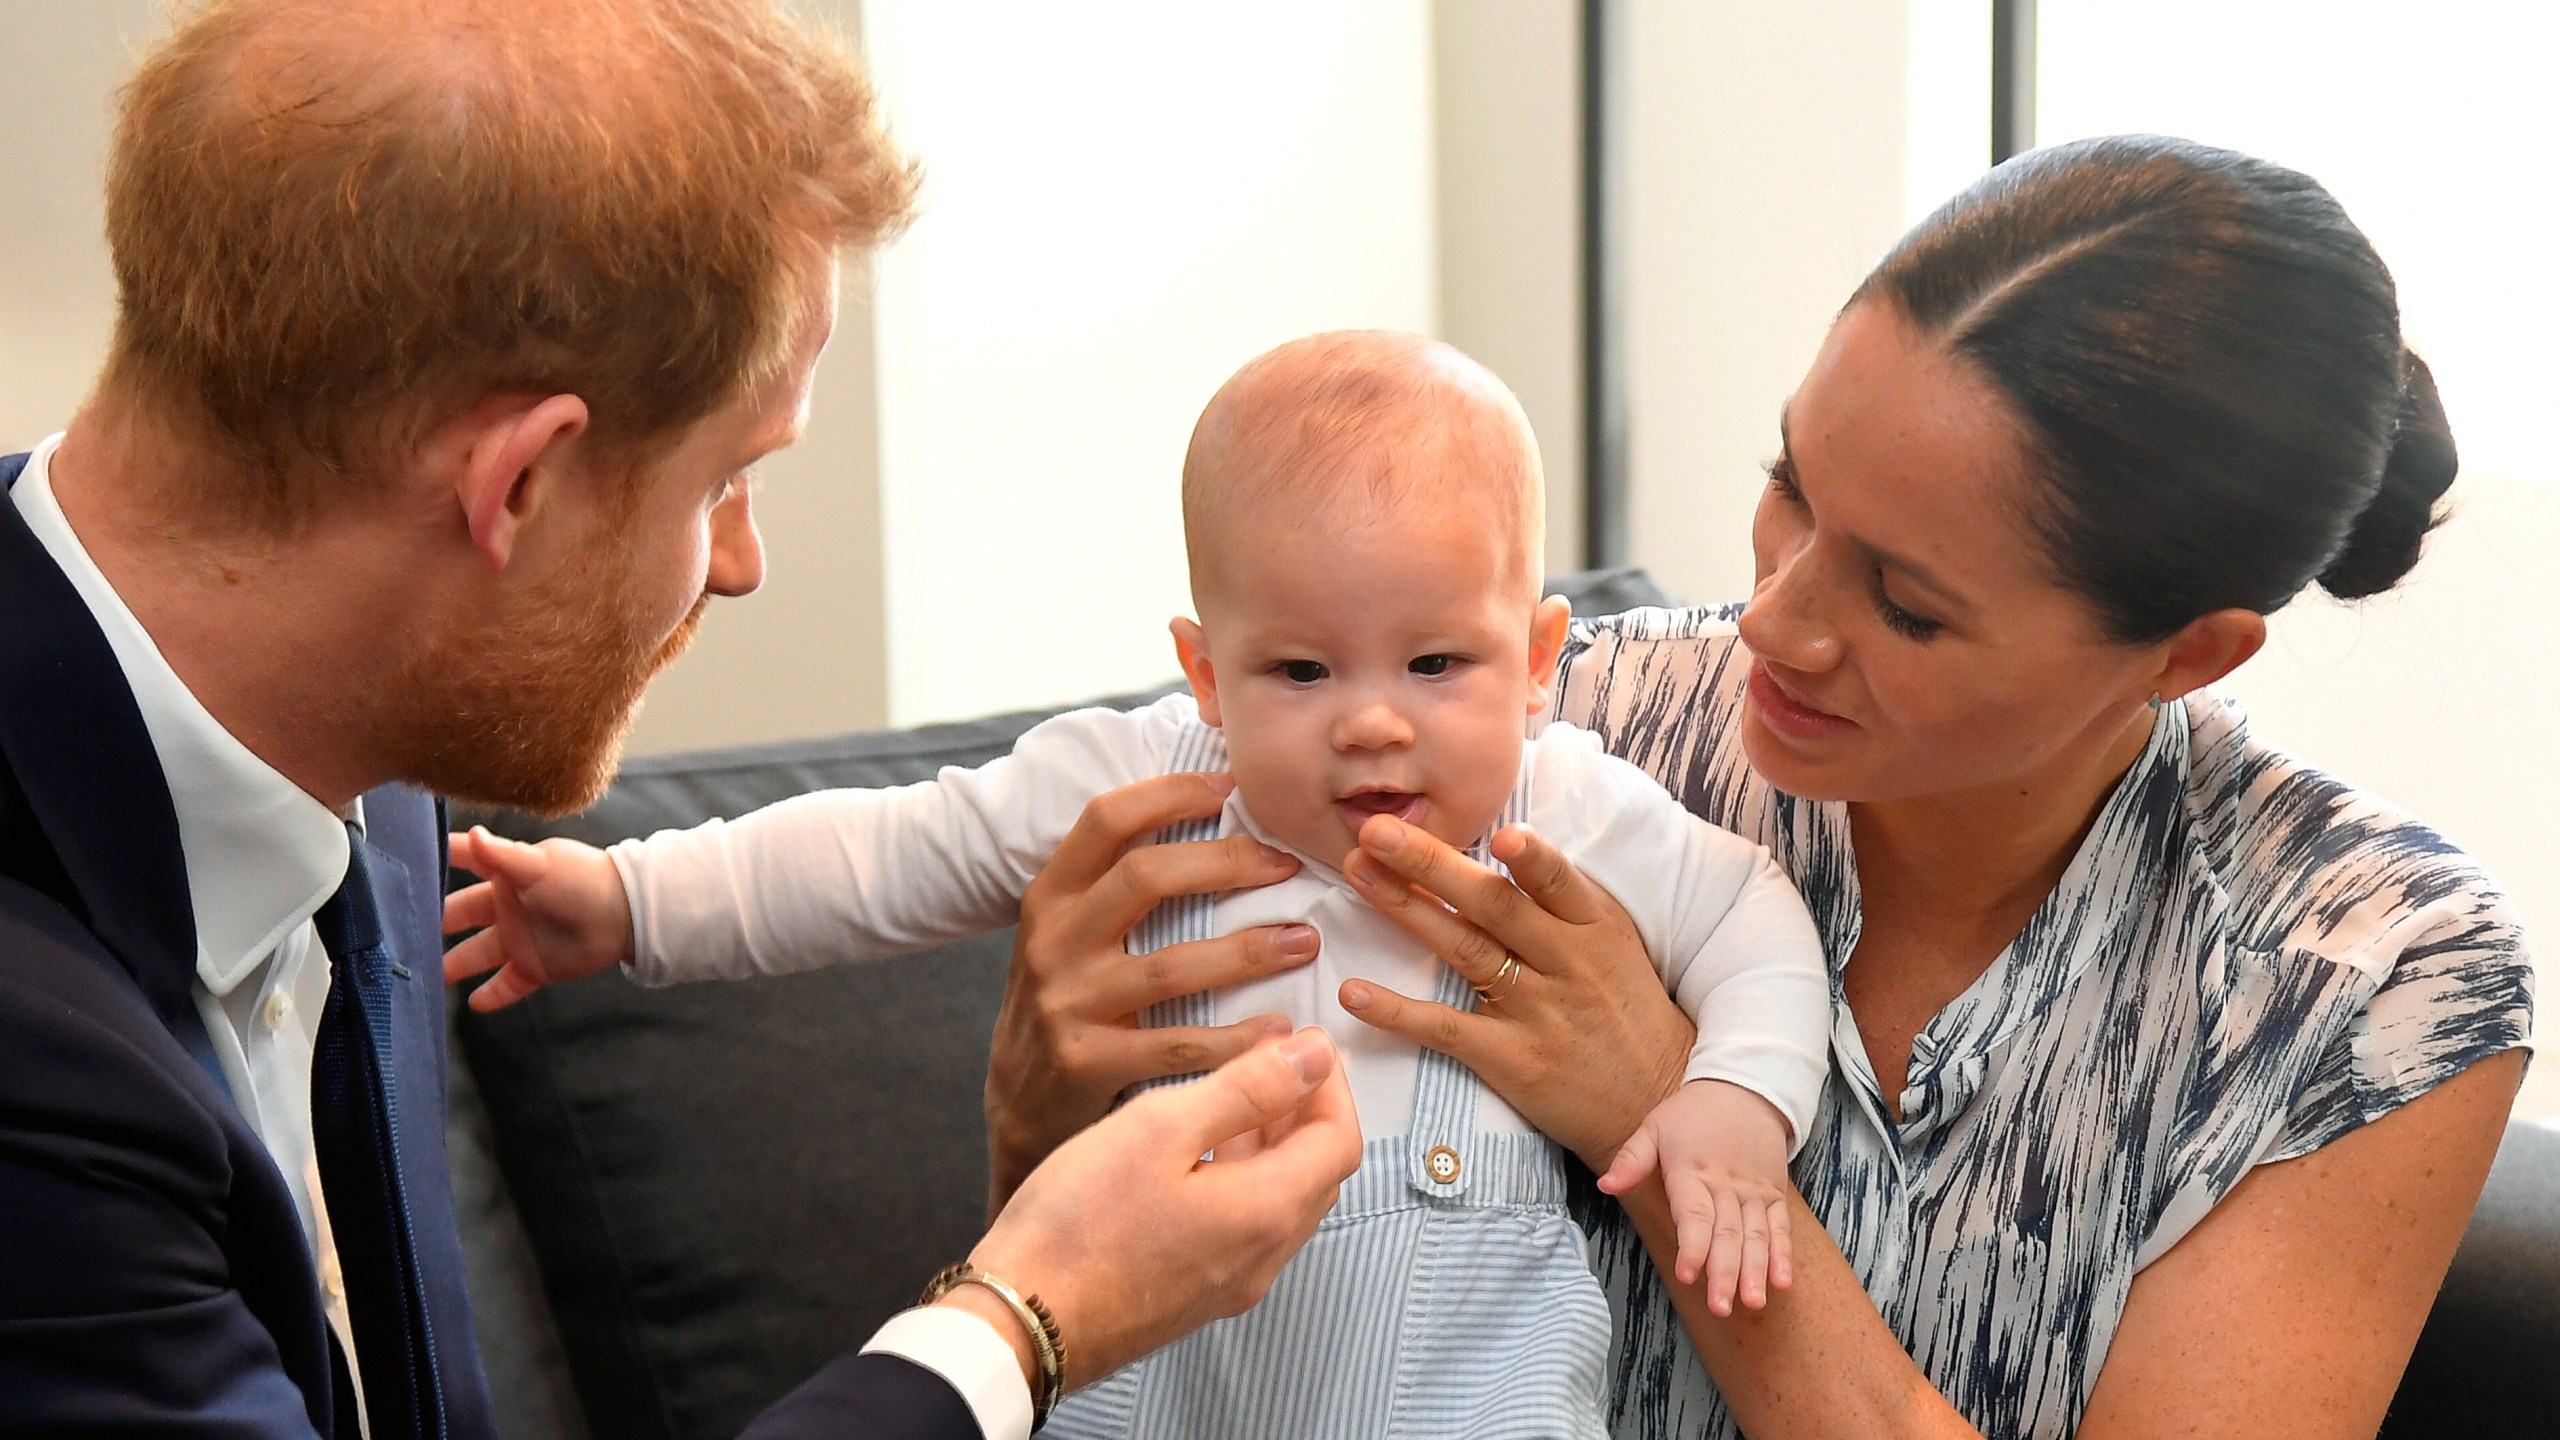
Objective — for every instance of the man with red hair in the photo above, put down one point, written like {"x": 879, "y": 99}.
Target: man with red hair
{"x": 447, "y": 330}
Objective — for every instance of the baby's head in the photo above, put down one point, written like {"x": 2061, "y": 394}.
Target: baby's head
{"x": 1366, "y": 523}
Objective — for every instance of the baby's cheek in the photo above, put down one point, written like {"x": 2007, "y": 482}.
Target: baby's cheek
{"x": 1477, "y": 786}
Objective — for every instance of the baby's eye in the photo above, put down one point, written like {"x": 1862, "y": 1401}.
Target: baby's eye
{"x": 1431, "y": 664}
{"x": 1301, "y": 672}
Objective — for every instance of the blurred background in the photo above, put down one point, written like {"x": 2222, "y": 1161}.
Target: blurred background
{"x": 1642, "y": 213}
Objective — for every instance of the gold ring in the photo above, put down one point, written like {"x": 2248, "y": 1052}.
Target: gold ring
{"x": 1507, "y": 979}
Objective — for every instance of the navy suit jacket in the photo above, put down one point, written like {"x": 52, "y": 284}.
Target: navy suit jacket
{"x": 154, "y": 1280}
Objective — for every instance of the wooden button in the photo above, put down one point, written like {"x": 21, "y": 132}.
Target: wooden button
{"x": 1441, "y": 1163}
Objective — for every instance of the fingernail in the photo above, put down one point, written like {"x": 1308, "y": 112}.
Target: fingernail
{"x": 1278, "y": 856}
{"x": 1221, "y": 781}
{"x": 1297, "y": 942}
{"x": 1274, "y": 1026}
{"x": 1390, "y": 839}
{"x": 1306, "y": 1052}
{"x": 1355, "y": 996}
{"x": 1358, "y": 866}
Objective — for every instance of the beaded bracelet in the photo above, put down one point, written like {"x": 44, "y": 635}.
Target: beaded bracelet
{"x": 1047, "y": 1345}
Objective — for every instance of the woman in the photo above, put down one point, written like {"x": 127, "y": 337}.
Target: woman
{"x": 2167, "y": 1070}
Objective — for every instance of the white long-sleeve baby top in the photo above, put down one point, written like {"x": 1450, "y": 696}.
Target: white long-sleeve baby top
{"x": 847, "y": 875}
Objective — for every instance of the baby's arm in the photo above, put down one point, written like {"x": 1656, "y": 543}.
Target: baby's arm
{"x": 1722, "y": 1154}
{"x": 1739, "y": 953}
{"x": 826, "y": 877}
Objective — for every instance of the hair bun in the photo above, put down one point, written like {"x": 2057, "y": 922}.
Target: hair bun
{"x": 2384, "y": 542}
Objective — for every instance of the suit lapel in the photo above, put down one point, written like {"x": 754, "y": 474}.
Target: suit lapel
{"x": 74, "y": 739}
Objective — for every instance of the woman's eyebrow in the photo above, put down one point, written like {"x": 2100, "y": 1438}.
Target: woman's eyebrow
{"x": 1919, "y": 574}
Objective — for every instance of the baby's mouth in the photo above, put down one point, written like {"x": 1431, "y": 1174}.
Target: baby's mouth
{"x": 1402, "y": 804}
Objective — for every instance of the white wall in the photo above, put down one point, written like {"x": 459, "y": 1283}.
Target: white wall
{"x": 1509, "y": 122}
{"x": 57, "y": 292}
{"x": 1123, "y": 203}
{"x": 2439, "y": 696}
{"x": 1766, "y": 170}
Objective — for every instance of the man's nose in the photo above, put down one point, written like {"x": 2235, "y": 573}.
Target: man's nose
{"x": 737, "y": 551}
{"x": 1787, "y": 621}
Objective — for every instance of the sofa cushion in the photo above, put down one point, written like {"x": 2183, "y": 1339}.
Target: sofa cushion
{"x": 2484, "y": 1365}
{"x": 726, "y": 1186}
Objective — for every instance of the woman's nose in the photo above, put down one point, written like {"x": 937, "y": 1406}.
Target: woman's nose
{"x": 737, "y": 551}
{"x": 1786, "y": 621}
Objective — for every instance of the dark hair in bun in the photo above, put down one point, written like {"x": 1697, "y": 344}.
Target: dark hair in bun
{"x": 2384, "y": 541}
{"x": 2205, "y": 354}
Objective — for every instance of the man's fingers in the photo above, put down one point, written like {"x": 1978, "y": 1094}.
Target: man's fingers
{"x": 1189, "y": 1049}
{"x": 1117, "y": 818}
{"x": 1545, "y": 876}
{"x": 470, "y": 908}
{"x": 1251, "y": 1091}
{"x": 1197, "y": 965}
{"x": 1313, "y": 1149}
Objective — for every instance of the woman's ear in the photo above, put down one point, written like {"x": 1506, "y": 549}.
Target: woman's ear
{"x": 1548, "y": 625}
{"x": 2210, "y": 646}
{"x": 1191, "y": 647}
{"x": 512, "y": 456}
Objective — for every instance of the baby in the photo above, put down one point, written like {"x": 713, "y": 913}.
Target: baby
{"x": 1365, "y": 524}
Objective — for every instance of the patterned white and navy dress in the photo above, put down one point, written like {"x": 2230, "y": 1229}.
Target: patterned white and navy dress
{"x": 2246, "y": 960}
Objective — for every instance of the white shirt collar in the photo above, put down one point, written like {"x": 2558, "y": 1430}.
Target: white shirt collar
{"x": 262, "y": 855}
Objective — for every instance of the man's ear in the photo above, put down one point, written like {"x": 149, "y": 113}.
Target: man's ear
{"x": 2210, "y": 646}
{"x": 1191, "y": 647}
{"x": 513, "y": 449}
{"x": 1547, "y": 627}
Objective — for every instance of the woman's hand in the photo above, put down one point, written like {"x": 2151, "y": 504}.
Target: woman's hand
{"x": 1068, "y": 1039}
{"x": 1583, "y": 1041}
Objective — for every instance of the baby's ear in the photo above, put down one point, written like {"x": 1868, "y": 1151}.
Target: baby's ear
{"x": 1191, "y": 647}
{"x": 1548, "y": 625}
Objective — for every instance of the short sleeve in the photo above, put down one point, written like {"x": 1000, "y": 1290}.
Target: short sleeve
{"x": 2460, "y": 991}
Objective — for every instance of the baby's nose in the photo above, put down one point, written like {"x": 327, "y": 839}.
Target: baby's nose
{"x": 1373, "y": 725}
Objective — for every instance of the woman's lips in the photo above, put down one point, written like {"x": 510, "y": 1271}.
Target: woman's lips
{"x": 1789, "y": 715}
{"x": 1355, "y": 809}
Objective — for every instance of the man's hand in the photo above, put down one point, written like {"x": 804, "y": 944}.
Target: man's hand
{"x": 551, "y": 912}
{"x": 1132, "y": 1240}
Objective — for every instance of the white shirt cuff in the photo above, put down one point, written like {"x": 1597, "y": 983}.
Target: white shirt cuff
{"x": 967, "y": 1352}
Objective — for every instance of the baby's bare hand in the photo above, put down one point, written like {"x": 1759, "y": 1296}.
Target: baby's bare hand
{"x": 1722, "y": 1154}
{"x": 546, "y": 913}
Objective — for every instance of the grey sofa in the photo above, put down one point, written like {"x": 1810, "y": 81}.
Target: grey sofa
{"x": 680, "y": 1203}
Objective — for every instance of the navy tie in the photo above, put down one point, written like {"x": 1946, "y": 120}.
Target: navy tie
{"x": 354, "y": 1106}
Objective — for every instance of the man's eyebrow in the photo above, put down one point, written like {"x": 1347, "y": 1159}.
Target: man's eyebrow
{"x": 778, "y": 439}
{"x": 1919, "y": 574}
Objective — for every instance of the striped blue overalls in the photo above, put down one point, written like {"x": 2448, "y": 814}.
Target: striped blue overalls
{"x": 1447, "y": 1294}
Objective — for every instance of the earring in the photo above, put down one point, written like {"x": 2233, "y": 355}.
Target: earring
{"x": 2154, "y": 701}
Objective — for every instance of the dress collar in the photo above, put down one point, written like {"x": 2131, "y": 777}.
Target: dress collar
{"x": 261, "y": 854}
